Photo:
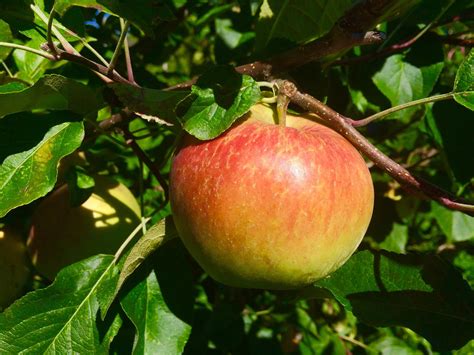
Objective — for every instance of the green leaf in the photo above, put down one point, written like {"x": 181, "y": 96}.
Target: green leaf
{"x": 431, "y": 66}
{"x": 5, "y": 36}
{"x": 12, "y": 87}
{"x": 62, "y": 317}
{"x": 150, "y": 102}
{"x": 457, "y": 226}
{"x": 30, "y": 149}
{"x": 219, "y": 98}
{"x": 229, "y": 35}
{"x": 465, "y": 82}
{"x": 53, "y": 92}
{"x": 465, "y": 262}
{"x": 155, "y": 237}
{"x": 159, "y": 301}
{"x": 212, "y": 13}
{"x": 397, "y": 240}
{"x": 31, "y": 66}
{"x": 430, "y": 75}
{"x": 143, "y": 13}
{"x": 297, "y": 21}
{"x": 399, "y": 81}
{"x": 422, "y": 293}
{"x": 390, "y": 345}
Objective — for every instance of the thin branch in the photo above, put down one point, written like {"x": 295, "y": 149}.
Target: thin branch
{"x": 51, "y": 44}
{"x": 355, "y": 342}
{"x": 336, "y": 41}
{"x": 400, "y": 47}
{"x": 341, "y": 125}
{"x": 5, "y": 66}
{"x": 64, "y": 42}
{"x": 132, "y": 235}
{"x": 29, "y": 49}
{"x": 118, "y": 48}
{"x": 434, "y": 98}
{"x": 456, "y": 41}
{"x": 103, "y": 70}
{"x": 396, "y": 48}
{"x": 88, "y": 46}
{"x": 353, "y": 29}
{"x": 146, "y": 160}
{"x": 128, "y": 58}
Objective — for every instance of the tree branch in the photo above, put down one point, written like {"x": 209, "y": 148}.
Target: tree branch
{"x": 353, "y": 29}
{"x": 118, "y": 48}
{"x": 342, "y": 125}
{"x": 130, "y": 139}
{"x": 96, "y": 67}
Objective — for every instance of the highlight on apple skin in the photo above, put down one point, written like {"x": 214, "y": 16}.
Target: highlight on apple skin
{"x": 61, "y": 234}
{"x": 270, "y": 206}
{"x": 14, "y": 266}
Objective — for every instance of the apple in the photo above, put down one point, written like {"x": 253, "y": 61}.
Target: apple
{"x": 14, "y": 270}
{"x": 270, "y": 206}
{"x": 61, "y": 234}
{"x": 76, "y": 158}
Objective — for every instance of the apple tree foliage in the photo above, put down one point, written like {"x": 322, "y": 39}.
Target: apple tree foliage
{"x": 410, "y": 287}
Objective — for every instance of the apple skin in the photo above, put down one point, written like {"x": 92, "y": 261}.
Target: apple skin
{"x": 271, "y": 207}
{"x": 61, "y": 234}
{"x": 14, "y": 266}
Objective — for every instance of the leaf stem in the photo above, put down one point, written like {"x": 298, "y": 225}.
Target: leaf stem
{"x": 132, "y": 235}
{"x": 354, "y": 341}
{"x": 51, "y": 45}
{"x": 64, "y": 42}
{"x": 28, "y": 49}
{"x": 154, "y": 169}
{"x": 4, "y": 65}
{"x": 434, "y": 98}
{"x": 128, "y": 58}
{"x": 121, "y": 40}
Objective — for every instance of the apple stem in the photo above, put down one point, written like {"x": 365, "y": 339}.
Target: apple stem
{"x": 282, "y": 107}
{"x": 132, "y": 235}
{"x": 343, "y": 126}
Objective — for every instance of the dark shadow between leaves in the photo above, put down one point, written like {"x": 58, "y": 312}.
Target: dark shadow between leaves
{"x": 225, "y": 83}
{"x": 446, "y": 326}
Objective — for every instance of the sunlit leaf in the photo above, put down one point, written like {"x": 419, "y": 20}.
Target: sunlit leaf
{"x": 465, "y": 82}
{"x": 53, "y": 92}
{"x": 62, "y": 317}
{"x": 219, "y": 97}
{"x": 159, "y": 301}
{"x": 30, "y": 149}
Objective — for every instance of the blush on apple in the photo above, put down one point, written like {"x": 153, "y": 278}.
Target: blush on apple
{"x": 268, "y": 206}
